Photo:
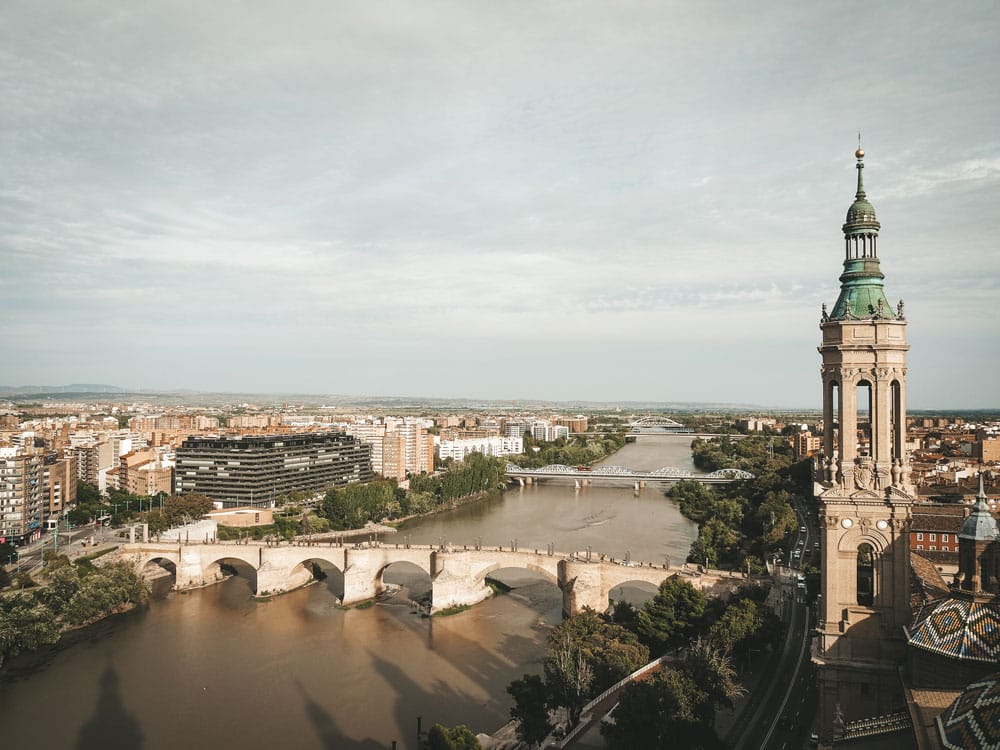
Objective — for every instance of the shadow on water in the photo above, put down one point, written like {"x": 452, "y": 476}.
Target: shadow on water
{"x": 111, "y": 726}
{"x": 326, "y": 728}
{"x": 439, "y": 702}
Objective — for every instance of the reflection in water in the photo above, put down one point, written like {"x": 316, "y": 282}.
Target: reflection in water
{"x": 111, "y": 726}
{"x": 214, "y": 668}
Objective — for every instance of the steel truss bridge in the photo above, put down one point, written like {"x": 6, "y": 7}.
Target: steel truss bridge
{"x": 623, "y": 473}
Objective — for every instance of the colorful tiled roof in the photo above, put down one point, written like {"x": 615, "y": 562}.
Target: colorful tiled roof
{"x": 972, "y": 722}
{"x": 960, "y": 629}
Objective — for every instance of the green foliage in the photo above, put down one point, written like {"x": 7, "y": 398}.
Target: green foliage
{"x": 75, "y": 595}
{"x": 660, "y": 713}
{"x": 672, "y": 617}
{"x": 576, "y": 451}
{"x": 530, "y": 709}
{"x": 88, "y": 494}
{"x": 353, "y": 506}
{"x": 712, "y": 671}
{"x": 454, "y": 738}
{"x": 587, "y": 654}
{"x": 568, "y": 675}
{"x": 758, "y": 513}
{"x": 190, "y": 506}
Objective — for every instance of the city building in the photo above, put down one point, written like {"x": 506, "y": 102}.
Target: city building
{"x": 256, "y": 470}
{"x": 24, "y": 495}
{"x": 491, "y": 446}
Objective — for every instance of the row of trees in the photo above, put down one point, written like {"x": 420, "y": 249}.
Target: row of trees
{"x": 589, "y": 653}
{"x": 77, "y": 594}
{"x": 351, "y": 507}
{"x": 743, "y": 522}
{"x": 160, "y": 511}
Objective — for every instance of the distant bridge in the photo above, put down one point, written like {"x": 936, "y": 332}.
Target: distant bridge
{"x": 584, "y": 475}
{"x": 656, "y": 423}
{"x": 458, "y": 575}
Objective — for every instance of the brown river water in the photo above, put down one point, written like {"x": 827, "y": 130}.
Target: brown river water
{"x": 214, "y": 668}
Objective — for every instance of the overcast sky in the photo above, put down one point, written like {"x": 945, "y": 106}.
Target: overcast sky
{"x": 554, "y": 200}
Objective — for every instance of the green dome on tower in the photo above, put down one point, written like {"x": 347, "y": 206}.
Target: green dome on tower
{"x": 861, "y": 293}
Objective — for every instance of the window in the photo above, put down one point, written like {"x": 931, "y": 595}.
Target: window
{"x": 944, "y": 537}
{"x": 866, "y": 575}
{"x": 933, "y": 537}
{"x": 920, "y": 546}
{"x": 920, "y": 537}
{"x": 933, "y": 547}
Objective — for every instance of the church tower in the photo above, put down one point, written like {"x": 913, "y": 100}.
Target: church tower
{"x": 863, "y": 486}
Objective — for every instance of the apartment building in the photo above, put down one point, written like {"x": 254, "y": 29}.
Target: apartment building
{"x": 255, "y": 470}
{"x": 24, "y": 496}
{"x": 491, "y": 446}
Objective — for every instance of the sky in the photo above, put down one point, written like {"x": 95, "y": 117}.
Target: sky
{"x": 539, "y": 200}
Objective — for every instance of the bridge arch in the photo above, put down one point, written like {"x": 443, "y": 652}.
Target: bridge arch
{"x": 409, "y": 575}
{"x": 153, "y": 570}
{"x": 635, "y": 592}
{"x": 548, "y": 575}
{"x": 216, "y": 570}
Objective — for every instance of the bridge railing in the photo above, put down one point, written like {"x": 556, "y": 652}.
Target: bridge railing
{"x": 582, "y": 726}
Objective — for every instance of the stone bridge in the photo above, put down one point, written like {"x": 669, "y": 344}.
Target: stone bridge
{"x": 458, "y": 575}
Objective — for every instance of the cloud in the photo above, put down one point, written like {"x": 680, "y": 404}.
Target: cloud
{"x": 397, "y": 178}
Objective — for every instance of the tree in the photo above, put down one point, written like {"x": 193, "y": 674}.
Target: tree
{"x": 568, "y": 675}
{"x": 713, "y": 673}
{"x": 661, "y": 712}
{"x": 741, "y": 621}
{"x": 530, "y": 709}
{"x": 454, "y": 738}
{"x": 88, "y": 494}
{"x": 671, "y": 617}
{"x": 189, "y": 506}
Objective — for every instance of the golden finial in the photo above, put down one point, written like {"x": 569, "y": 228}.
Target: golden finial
{"x": 860, "y": 153}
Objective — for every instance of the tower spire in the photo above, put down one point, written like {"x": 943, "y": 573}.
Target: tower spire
{"x": 860, "y": 156}
{"x": 861, "y": 292}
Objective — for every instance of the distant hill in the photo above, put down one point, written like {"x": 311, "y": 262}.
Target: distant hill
{"x": 20, "y": 390}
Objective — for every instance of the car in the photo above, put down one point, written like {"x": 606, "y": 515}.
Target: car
{"x": 797, "y": 554}
{"x": 802, "y": 529}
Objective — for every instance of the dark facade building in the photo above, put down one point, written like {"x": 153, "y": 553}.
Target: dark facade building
{"x": 258, "y": 469}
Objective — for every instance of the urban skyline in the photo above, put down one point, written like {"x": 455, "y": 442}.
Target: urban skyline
{"x": 467, "y": 200}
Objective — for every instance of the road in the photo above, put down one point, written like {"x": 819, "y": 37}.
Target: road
{"x": 781, "y": 717}
{"x": 71, "y": 542}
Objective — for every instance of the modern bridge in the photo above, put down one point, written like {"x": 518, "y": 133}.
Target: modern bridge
{"x": 585, "y": 475}
{"x": 458, "y": 575}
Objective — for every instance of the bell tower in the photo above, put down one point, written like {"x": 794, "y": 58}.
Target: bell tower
{"x": 863, "y": 486}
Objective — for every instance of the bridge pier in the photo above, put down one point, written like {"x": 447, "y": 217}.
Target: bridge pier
{"x": 276, "y": 579}
{"x": 580, "y": 583}
{"x": 191, "y": 571}
{"x": 455, "y": 581}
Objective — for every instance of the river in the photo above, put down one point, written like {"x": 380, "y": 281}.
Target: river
{"x": 213, "y": 668}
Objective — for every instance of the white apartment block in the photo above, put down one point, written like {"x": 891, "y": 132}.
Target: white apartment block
{"x": 493, "y": 446}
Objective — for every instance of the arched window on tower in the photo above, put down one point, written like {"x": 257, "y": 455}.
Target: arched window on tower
{"x": 866, "y": 575}
{"x": 896, "y": 425}
{"x": 864, "y": 412}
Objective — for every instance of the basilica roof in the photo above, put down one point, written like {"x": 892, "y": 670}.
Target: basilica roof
{"x": 960, "y": 628}
{"x": 973, "y": 720}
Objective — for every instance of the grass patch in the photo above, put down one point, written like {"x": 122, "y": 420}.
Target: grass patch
{"x": 365, "y": 605}
{"x": 452, "y": 610}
